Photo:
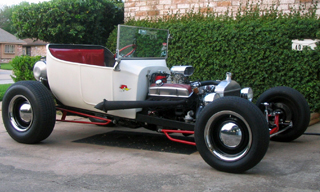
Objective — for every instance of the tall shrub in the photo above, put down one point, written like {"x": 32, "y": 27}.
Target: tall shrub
{"x": 23, "y": 67}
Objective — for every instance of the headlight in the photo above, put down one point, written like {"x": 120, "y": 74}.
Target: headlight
{"x": 247, "y": 93}
{"x": 40, "y": 70}
{"x": 210, "y": 97}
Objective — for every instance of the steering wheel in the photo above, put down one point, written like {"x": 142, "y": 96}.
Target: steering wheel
{"x": 134, "y": 47}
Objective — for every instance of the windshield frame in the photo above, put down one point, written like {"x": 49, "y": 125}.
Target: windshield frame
{"x": 119, "y": 57}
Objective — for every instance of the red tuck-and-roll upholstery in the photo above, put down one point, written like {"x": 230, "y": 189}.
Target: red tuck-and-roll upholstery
{"x": 86, "y": 54}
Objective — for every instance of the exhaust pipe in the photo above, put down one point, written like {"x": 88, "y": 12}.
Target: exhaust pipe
{"x": 114, "y": 105}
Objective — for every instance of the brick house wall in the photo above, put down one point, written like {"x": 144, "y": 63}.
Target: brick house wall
{"x": 7, "y": 39}
{"x": 36, "y": 50}
{"x": 19, "y": 49}
{"x": 7, "y": 57}
{"x": 39, "y": 50}
{"x": 141, "y": 9}
{"x": 5, "y": 60}
{"x": 35, "y": 47}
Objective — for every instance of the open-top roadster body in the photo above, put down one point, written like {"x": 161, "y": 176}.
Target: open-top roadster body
{"x": 134, "y": 88}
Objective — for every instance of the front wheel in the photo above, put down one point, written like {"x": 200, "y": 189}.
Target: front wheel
{"x": 231, "y": 134}
{"x": 293, "y": 110}
{"x": 28, "y": 112}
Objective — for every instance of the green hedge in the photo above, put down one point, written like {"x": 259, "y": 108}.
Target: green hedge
{"x": 256, "y": 48}
{"x": 23, "y": 67}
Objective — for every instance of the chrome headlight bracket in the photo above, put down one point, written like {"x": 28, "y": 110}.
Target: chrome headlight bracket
{"x": 247, "y": 93}
{"x": 40, "y": 71}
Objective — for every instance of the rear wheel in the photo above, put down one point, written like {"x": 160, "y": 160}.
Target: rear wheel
{"x": 28, "y": 112}
{"x": 293, "y": 109}
{"x": 231, "y": 134}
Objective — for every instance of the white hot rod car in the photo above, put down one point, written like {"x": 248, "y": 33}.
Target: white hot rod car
{"x": 134, "y": 88}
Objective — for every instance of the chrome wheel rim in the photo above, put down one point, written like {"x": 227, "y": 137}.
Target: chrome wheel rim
{"x": 20, "y": 113}
{"x": 228, "y": 136}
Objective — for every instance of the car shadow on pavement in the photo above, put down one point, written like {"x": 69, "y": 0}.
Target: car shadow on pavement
{"x": 143, "y": 141}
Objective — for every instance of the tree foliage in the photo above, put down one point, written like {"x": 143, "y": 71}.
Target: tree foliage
{"x": 69, "y": 21}
{"x": 6, "y": 16}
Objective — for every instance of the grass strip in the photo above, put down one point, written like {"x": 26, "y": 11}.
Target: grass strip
{"x": 3, "y": 89}
{"x": 6, "y": 66}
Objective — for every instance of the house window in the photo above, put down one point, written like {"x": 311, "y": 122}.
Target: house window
{"x": 9, "y": 49}
{"x": 28, "y": 51}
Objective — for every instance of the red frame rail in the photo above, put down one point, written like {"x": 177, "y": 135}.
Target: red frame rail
{"x": 66, "y": 111}
{"x": 166, "y": 131}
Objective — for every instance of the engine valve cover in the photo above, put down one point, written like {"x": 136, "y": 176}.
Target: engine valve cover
{"x": 170, "y": 90}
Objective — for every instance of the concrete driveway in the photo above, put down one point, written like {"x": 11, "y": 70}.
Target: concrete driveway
{"x": 5, "y": 76}
{"x": 60, "y": 164}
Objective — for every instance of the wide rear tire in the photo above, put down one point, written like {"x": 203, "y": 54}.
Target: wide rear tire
{"x": 28, "y": 112}
{"x": 231, "y": 134}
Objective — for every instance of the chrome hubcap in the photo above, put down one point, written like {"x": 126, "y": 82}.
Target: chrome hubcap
{"x": 228, "y": 136}
{"x": 20, "y": 113}
{"x": 25, "y": 112}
